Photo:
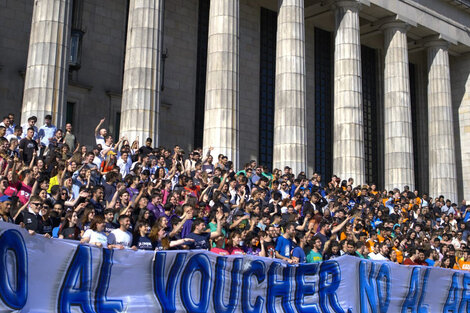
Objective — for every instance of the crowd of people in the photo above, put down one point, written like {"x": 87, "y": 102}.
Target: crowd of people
{"x": 120, "y": 195}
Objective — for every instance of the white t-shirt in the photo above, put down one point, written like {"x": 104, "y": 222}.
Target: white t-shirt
{"x": 119, "y": 237}
{"x": 100, "y": 140}
{"x": 377, "y": 257}
{"x": 96, "y": 237}
{"x": 9, "y": 137}
{"x": 124, "y": 167}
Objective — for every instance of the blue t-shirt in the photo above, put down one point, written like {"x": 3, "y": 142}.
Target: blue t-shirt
{"x": 143, "y": 243}
{"x": 299, "y": 253}
{"x": 284, "y": 246}
{"x": 201, "y": 241}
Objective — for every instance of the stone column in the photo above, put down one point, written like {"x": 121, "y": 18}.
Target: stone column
{"x": 442, "y": 168}
{"x": 142, "y": 71}
{"x": 222, "y": 95}
{"x": 348, "y": 142}
{"x": 47, "y": 65}
{"x": 290, "y": 129}
{"x": 399, "y": 164}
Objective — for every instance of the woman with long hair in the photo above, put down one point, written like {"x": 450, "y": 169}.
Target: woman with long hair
{"x": 146, "y": 216}
{"x": 160, "y": 239}
{"x": 332, "y": 250}
{"x": 95, "y": 235}
{"x": 87, "y": 217}
{"x": 447, "y": 262}
{"x": 234, "y": 240}
{"x": 69, "y": 229}
{"x": 141, "y": 240}
{"x": 252, "y": 244}
{"x": 108, "y": 163}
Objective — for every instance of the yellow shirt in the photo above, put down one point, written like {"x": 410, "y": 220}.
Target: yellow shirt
{"x": 54, "y": 181}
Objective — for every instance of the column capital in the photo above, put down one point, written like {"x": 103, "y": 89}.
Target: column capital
{"x": 348, "y": 4}
{"x": 437, "y": 42}
{"x": 395, "y": 24}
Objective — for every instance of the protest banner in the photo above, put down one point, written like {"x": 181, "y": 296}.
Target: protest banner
{"x": 52, "y": 275}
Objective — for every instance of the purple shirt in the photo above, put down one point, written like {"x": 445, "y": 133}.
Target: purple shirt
{"x": 186, "y": 228}
{"x": 157, "y": 210}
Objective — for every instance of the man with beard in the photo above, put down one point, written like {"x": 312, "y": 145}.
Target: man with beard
{"x": 5, "y": 205}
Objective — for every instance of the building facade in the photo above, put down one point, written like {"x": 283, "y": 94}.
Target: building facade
{"x": 376, "y": 90}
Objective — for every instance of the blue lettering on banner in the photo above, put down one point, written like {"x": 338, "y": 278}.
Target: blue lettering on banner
{"x": 422, "y": 308}
{"x": 166, "y": 293}
{"x": 384, "y": 275}
{"x": 371, "y": 287}
{"x": 80, "y": 272}
{"x": 257, "y": 269}
{"x": 219, "y": 285}
{"x": 411, "y": 300}
{"x": 15, "y": 298}
{"x": 464, "y": 306}
{"x": 304, "y": 288}
{"x": 416, "y": 291}
{"x": 367, "y": 287}
{"x": 452, "y": 301}
{"x": 103, "y": 305}
{"x": 203, "y": 282}
{"x": 198, "y": 263}
{"x": 330, "y": 271}
{"x": 279, "y": 288}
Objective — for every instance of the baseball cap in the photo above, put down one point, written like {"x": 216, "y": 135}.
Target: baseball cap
{"x": 4, "y": 198}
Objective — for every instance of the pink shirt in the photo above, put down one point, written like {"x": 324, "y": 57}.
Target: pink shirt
{"x": 220, "y": 251}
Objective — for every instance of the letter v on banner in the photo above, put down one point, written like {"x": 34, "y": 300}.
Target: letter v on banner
{"x": 166, "y": 291}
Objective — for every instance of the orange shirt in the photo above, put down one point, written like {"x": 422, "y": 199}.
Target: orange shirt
{"x": 370, "y": 245}
{"x": 106, "y": 166}
{"x": 464, "y": 265}
{"x": 399, "y": 255}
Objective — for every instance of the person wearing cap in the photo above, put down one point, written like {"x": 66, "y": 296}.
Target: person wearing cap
{"x": 46, "y": 132}
{"x": 108, "y": 163}
{"x": 5, "y": 206}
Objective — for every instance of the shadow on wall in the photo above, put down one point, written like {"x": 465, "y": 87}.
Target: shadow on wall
{"x": 460, "y": 84}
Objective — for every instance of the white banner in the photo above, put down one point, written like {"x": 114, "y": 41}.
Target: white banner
{"x": 53, "y": 275}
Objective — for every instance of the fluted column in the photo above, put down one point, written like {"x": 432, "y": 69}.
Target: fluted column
{"x": 442, "y": 168}
{"x": 222, "y": 95}
{"x": 47, "y": 65}
{"x": 290, "y": 129}
{"x": 348, "y": 142}
{"x": 399, "y": 164}
{"x": 142, "y": 71}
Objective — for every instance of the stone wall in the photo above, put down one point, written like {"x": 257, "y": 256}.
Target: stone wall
{"x": 179, "y": 80}
{"x": 460, "y": 84}
{"x": 95, "y": 86}
{"x": 15, "y": 26}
